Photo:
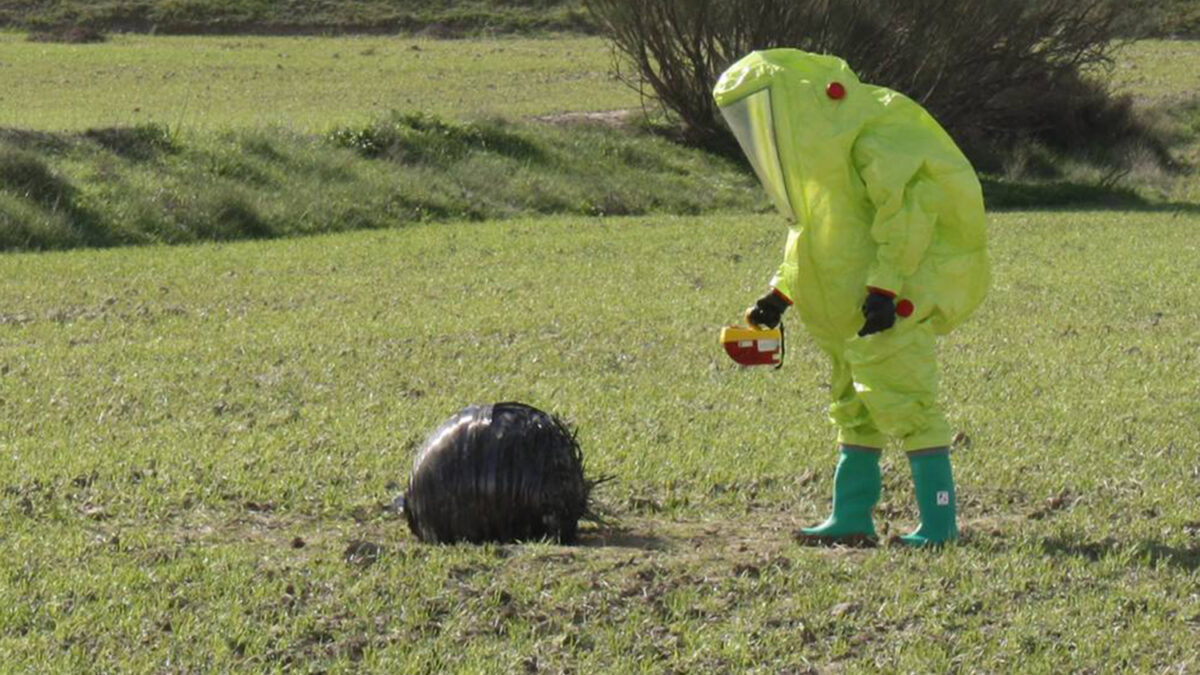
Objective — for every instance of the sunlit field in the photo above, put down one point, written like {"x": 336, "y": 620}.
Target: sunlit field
{"x": 200, "y": 444}
{"x": 194, "y": 438}
{"x": 305, "y": 83}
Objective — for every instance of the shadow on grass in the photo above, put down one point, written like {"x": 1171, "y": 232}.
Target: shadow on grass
{"x": 25, "y": 175}
{"x": 42, "y": 141}
{"x": 141, "y": 142}
{"x": 614, "y": 536}
{"x": 1150, "y": 552}
{"x": 1001, "y": 195}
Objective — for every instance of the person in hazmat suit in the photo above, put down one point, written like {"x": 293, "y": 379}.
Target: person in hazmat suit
{"x": 886, "y": 249}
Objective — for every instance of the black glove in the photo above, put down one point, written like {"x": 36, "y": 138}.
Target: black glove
{"x": 880, "y": 312}
{"x": 767, "y": 310}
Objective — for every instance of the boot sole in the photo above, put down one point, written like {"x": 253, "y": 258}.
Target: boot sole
{"x": 896, "y": 541}
{"x": 828, "y": 541}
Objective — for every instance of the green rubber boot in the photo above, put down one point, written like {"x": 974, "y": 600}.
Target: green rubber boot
{"x": 856, "y": 489}
{"x": 933, "y": 483}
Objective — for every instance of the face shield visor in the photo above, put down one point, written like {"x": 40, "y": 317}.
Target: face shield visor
{"x": 753, "y": 125}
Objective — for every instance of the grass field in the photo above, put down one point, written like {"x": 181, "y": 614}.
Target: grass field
{"x": 313, "y": 83}
{"x": 198, "y": 444}
{"x": 194, "y": 438}
{"x": 304, "y": 83}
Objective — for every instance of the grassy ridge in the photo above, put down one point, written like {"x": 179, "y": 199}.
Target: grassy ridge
{"x": 142, "y": 185}
{"x": 451, "y": 17}
{"x": 287, "y": 97}
{"x": 441, "y": 17}
{"x": 193, "y": 437}
{"x": 145, "y": 185}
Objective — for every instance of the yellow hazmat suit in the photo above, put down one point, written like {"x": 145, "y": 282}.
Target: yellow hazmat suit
{"x": 881, "y": 204}
{"x": 877, "y": 196}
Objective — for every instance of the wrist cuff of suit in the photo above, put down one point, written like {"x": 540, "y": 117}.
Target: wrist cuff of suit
{"x": 776, "y": 300}
{"x": 904, "y": 308}
{"x": 775, "y": 293}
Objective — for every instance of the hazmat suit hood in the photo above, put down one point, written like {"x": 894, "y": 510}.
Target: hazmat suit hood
{"x": 877, "y": 195}
{"x": 792, "y": 112}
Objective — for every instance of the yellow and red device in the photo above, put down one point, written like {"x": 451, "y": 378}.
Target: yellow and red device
{"x": 754, "y": 346}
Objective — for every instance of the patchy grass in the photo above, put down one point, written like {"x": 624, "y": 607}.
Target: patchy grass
{"x": 196, "y": 442}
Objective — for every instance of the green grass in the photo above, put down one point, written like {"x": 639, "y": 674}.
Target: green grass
{"x": 303, "y": 83}
{"x": 192, "y": 437}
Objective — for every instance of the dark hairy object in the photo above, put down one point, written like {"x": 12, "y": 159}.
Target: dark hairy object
{"x": 498, "y": 473}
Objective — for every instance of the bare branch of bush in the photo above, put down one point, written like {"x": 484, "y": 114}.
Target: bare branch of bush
{"x": 992, "y": 71}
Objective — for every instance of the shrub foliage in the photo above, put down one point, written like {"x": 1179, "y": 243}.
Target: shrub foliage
{"x": 992, "y": 71}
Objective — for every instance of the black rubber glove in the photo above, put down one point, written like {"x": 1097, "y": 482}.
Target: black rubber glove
{"x": 880, "y": 312}
{"x": 767, "y": 310}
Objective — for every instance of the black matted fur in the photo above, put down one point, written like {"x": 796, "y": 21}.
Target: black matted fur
{"x": 498, "y": 473}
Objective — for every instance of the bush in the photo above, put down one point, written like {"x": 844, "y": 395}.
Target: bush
{"x": 993, "y": 72}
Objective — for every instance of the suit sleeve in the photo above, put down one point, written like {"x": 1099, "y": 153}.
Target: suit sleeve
{"x": 897, "y": 184}
{"x": 784, "y": 280}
